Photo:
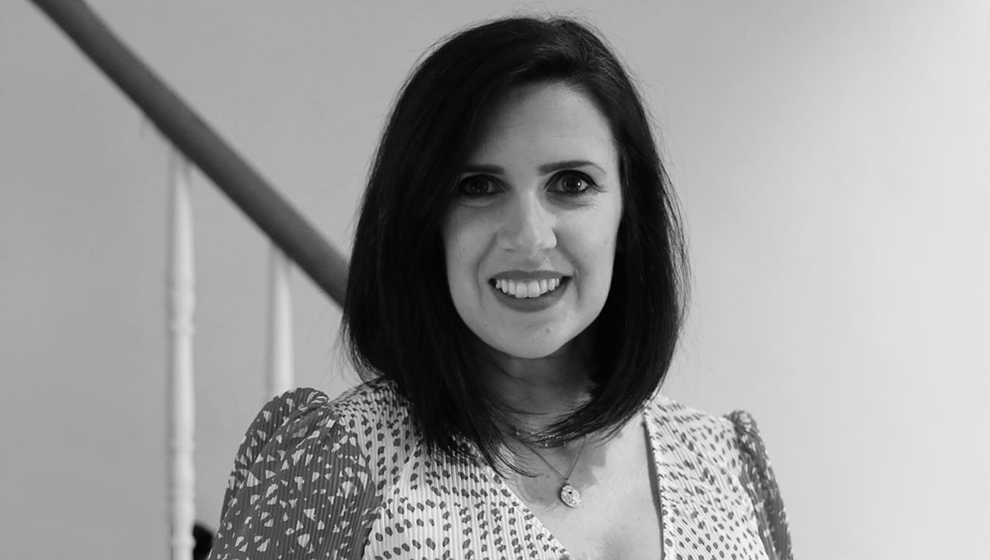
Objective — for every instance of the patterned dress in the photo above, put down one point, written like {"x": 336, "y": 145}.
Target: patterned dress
{"x": 349, "y": 479}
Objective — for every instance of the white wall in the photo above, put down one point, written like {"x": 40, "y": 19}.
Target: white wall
{"x": 830, "y": 157}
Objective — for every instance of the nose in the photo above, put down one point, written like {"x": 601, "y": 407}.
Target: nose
{"x": 528, "y": 226}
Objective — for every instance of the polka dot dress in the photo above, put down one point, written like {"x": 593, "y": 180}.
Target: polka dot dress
{"x": 349, "y": 479}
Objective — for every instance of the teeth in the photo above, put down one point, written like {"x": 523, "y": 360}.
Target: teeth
{"x": 530, "y": 289}
{"x": 520, "y": 290}
{"x": 533, "y": 287}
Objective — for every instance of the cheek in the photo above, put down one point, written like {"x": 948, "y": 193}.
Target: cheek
{"x": 599, "y": 262}
{"x": 594, "y": 244}
{"x": 463, "y": 241}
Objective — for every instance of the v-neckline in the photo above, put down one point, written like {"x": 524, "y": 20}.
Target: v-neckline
{"x": 653, "y": 455}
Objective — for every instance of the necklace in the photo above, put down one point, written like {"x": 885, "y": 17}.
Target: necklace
{"x": 568, "y": 494}
{"x": 528, "y": 438}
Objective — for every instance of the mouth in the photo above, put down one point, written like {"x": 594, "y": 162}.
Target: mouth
{"x": 528, "y": 289}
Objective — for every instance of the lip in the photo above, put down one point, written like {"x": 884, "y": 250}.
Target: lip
{"x": 530, "y": 305}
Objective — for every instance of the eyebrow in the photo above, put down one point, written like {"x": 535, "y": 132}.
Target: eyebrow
{"x": 545, "y": 168}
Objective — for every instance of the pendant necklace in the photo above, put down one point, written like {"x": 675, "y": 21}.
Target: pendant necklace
{"x": 568, "y": 494}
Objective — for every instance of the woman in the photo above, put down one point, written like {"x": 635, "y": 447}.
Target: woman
{"x": 514, "y": 301}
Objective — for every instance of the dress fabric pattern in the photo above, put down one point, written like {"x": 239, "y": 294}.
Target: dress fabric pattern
{"x": 350, "y": 479}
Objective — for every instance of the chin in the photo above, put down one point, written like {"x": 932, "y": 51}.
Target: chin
{"x": 532, "y": 349}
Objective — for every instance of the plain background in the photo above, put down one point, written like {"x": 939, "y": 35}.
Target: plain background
{"x": 831, "y": 160}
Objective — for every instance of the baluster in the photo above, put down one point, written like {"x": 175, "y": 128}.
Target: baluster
{"x": 181, "y": 405}
{"x": 280, "y": 366}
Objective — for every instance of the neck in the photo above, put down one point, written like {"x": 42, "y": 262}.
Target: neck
{"x": 540, "y": 391}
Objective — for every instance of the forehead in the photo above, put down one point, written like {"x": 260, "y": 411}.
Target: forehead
{"x": 540, "y": 121}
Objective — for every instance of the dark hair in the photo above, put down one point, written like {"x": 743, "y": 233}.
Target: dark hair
{"x": 399, "y": 317}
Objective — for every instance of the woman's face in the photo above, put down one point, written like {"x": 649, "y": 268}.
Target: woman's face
{"x": 531, "y": 237}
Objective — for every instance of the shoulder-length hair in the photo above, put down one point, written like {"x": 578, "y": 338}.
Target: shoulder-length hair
{"x": 399, "y": 318}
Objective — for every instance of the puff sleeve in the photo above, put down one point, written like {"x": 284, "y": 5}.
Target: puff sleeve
{"x": 758, "y": 479}
{"x": 300, "y": 487}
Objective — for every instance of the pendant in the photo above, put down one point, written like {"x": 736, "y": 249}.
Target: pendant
{"x": 569, "y": 495}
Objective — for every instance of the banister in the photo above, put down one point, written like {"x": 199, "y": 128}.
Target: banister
{"x": 201, "y": 145}
{"x": 181, "y": 381}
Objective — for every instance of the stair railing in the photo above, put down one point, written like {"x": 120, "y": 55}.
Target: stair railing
{"x": 293, "y": 240}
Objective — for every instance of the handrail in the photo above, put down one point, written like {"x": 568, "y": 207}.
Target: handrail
{"x": 204, "y": 147}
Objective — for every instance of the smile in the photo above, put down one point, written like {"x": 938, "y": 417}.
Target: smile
{"x": 523, "y": 289}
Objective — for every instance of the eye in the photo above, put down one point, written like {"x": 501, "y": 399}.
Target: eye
{"x": 572, "y": 183}
{"x": 476, "y": 185}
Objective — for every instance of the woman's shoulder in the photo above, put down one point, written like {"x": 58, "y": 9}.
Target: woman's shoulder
{"x": 729, "y": 452}
{"x": 366, "y": 429}
{"x": 665, "y": 411}
{"x": 373, "y": 406}
{"x": 307, "y": 458}
{"x": 307, "y": 412}
{"x": 722, "y": 438}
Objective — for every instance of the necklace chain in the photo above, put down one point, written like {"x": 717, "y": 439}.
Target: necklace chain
{"x": 574, "y": 463}
{"x": 531, "y": 438}
{"x": 568, "y": 494}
